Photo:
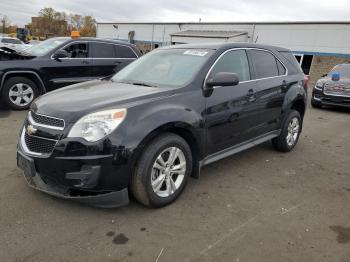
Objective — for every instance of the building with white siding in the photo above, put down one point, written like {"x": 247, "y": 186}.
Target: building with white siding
{"x": 317, "y": 45}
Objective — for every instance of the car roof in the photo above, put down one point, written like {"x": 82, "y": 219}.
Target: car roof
{"x": 108, "y": 40}
{"x": 216, "y": 46}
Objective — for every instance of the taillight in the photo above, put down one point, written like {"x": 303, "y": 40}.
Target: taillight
{"x": 306, "y": 81}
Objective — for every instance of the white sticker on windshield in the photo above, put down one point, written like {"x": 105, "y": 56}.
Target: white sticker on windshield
{"x": 195, "y": 52}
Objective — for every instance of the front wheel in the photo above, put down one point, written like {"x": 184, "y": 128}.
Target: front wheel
{"x": 162, "y": 171}
{"x": 290, "y": 133}
{"x": 19, "y": 92}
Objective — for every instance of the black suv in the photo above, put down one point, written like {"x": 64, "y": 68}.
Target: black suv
{"x": 154, "y": 124}
{"x": 333, "y": 89}
{"x": 57, "y": 62}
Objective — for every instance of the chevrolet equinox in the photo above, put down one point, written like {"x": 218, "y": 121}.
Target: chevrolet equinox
{"x": 151, "y": 126}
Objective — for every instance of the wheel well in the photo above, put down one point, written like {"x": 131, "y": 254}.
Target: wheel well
{"x": 180, "y": 131}
{"x": 28, "y": 75}
{"x": 299, "y": 106}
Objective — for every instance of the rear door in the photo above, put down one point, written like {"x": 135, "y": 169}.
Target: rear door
{"x": 77, "y": 67}
{"x": 109, "y": 58}
{"x": 231, "y": 110}
{"x": 270, "y": 76}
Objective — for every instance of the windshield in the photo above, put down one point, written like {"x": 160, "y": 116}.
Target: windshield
{"x": 168, "y": 67}
{"x": 46, "y": 46}
{"x": 344, "y": 71}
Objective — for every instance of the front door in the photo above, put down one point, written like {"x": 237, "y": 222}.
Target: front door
{"x": 231, "y": 110}
{"x": 77, "y": 67}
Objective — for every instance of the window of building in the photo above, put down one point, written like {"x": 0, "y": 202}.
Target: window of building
{"x": 305, "y": 62}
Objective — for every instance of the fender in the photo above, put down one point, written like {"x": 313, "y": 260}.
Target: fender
{"x": 294, "y": 93}
{"x": 157, "y": 119}
{"x": 22, "y": 72}
{"x": 149, "y": 120}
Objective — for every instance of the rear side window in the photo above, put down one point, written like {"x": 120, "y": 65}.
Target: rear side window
{"x": 233, "y": 62}
{"x": 101, "y": 50}
{"x": 265, "y": 64}
{"x": 293, "y": 64}
{"x": 124, "y": 52}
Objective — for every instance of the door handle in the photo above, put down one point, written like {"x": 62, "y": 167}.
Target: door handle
{"x": 85, "y": 62}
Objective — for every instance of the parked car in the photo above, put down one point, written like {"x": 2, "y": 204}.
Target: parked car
{"x": 333, "y": 89}
{"x": 59, "y": 62}
{"x": 11, "y": 42}
{"x": 159, "y": 120}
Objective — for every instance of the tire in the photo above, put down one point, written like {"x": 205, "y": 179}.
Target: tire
{"x": 315, "y": 104}
{"x": 23, "y": 89}
{"x": 146, "y": 174}
{"x": 289, "y": 136}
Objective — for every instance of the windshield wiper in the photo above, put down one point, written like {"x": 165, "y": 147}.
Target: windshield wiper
{"x": 141, "y": 84}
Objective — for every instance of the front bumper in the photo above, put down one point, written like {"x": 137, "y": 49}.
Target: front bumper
{"x": 105, "y": 199}
{"x": 318, "y": 97}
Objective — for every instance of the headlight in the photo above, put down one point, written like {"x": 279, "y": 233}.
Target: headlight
{"x": 319, "y": 85}
{"x": 96, "y": 126}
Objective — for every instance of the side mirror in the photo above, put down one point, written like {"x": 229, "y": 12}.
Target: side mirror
{"x": 60, "y": 54}
{"x": 223, "y": 79}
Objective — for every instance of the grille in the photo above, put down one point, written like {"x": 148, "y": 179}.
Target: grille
{"x": 46, "y": 120}
{"x": 337, "y": 89}
{"x": 39, "y": 145}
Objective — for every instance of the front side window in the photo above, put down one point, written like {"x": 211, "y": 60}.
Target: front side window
{"x": 165, "y": 67}
{"x": 265, "y": 64}
{"x": 102, "y": 50}
{"x": 235, "y": 61}
{"x": 77, "y": 50}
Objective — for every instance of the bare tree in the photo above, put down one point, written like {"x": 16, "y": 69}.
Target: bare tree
{"x": 5, "y": 23}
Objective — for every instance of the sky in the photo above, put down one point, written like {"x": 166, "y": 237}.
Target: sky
{"x": 184, "y": 10}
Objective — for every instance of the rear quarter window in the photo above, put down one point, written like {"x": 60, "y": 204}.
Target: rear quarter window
{"x": 291, "y": 62}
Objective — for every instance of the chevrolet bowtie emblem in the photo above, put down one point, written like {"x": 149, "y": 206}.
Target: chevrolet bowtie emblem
{"x": 31, "y": 130}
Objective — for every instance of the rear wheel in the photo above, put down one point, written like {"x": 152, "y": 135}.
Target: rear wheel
{"x": 290, "y": 133}
{"x": 19, "y": 92}
{"x": 162, "y": 171}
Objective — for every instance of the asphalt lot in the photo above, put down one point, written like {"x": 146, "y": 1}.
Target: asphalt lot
{"x": 259, "y": 205}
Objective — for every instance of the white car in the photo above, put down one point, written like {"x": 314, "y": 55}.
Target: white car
{"x": 11, "y": 42}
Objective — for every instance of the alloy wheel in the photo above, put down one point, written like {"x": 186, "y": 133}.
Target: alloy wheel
{"x": 21, "y": 94}
{"x": 168, "y": 171}
{"x": 293, "y": 131}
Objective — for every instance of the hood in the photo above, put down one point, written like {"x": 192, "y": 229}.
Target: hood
{"x": 14, "y": 53}
{"x": 328, "y": 80}
{"x": 73, "y": 102}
